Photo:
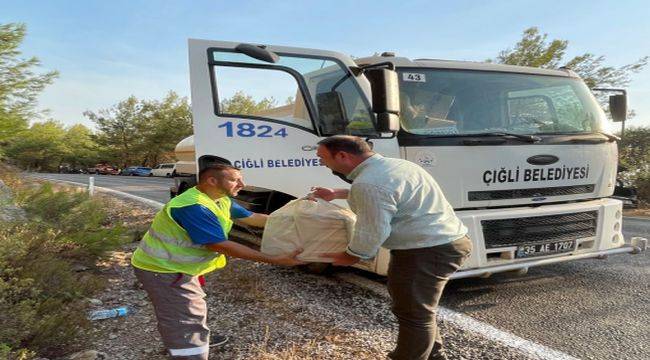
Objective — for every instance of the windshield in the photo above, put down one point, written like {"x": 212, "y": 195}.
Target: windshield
{"x": 453, "y": 102}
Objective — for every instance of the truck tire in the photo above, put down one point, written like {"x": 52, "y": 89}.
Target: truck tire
{"x": 317, "y": 268}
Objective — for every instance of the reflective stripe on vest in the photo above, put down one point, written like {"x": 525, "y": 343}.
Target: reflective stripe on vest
{"x": 172, "y": 240}
{"x": 166, "y": 255}
{"x": 190, "y": 351}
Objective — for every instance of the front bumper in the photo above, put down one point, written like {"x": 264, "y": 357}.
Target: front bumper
{"x": 637, "y": 245}
{"x": 607, "y": 237}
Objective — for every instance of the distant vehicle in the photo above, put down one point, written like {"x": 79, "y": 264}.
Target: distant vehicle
{"x": 137, "y": 171}
{"x": 167, "y": 170}
{"x": 624, "y": 190}
{"x": 103, "y": 169}
{"x": 68, "y": 169}
{"x": 627, "y": 194}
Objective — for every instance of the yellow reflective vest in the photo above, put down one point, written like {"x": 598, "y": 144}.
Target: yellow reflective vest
{"x": 167, "y": 248}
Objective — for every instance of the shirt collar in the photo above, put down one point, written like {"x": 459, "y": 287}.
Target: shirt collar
{"x": 367, "y": 162}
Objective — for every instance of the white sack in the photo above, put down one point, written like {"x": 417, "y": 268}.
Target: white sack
{"x": 317, "y": 227}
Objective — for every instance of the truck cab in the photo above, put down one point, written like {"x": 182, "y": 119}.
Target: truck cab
{"x": 525, "y": 156}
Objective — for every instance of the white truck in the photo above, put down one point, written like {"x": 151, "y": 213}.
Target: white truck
{"x": 525, "y": 156}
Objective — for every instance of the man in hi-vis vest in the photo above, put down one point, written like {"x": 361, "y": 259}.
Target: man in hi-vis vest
{"x": 187, "y": 239}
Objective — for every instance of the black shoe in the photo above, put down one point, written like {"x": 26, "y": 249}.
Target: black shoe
{"x": 218, "y": 340}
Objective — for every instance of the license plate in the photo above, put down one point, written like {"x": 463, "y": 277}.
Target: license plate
{"x": 549, "y": 248}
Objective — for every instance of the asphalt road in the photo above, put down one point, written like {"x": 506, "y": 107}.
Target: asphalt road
{"x": 153, "y": 188}
{"x": 589, "y": 309}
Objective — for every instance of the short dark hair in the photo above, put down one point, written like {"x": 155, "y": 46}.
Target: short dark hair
{"x": 346, "y": 143}
{"x": 215, "y": 170}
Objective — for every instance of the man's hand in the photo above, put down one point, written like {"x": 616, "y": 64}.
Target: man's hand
{"x": 328, "y": 194}
{"x": 287, "y": 260}
{"x": 237, "y": 250}
{"x": 257, "y": 220}
{"x": 341, "y": 258}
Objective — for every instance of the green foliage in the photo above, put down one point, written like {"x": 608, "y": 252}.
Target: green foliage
{"x": 243, "y": 104}
{"x": 141, "y": 131}
{"x": 41, "y": 296}
{"x": 535, "y": 50}
{"x": 81, "y": 148}
{"x": 45, "y": 146}
{"x": 634, "y": 156}
{"x": 41, "y": 146}
{"x": 19, "y": 84}
{"x": 642, "y": 184}
{"x": 634, "y": 149}
{"x": 117, "y": 130}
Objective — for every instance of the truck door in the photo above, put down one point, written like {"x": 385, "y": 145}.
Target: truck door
{"x": 266, "y": 117}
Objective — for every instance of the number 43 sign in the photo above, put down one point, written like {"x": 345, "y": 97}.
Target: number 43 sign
{"x": 414, "y": 77}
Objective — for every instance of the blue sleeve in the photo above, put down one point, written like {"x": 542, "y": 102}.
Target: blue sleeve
{"x": 238, "y": 212}
{"x": 200, "y": 223}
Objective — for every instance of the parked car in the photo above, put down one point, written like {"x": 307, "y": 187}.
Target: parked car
{"x": 68, "y": 169}
{"x": 167, "y": 170}
{"x": 103, "y": 169}
{"x": 137, "y": 171}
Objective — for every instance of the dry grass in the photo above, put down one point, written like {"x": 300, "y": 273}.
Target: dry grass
{"x": 276, "y": 324}
{"x": 331, "y": 344}
{"x": 642, "y": 212}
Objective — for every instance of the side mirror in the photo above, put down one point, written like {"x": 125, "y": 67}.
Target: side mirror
{"x": 331, "y": 113}
{"x": 618, "y": 107}
{"x": 385, "y": 98}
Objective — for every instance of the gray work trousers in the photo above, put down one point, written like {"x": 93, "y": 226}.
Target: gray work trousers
{"x": 416, "y": 280}
{"x": 181, "y": 310}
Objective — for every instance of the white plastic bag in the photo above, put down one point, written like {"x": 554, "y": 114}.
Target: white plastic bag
{"x": 317, "y": 227}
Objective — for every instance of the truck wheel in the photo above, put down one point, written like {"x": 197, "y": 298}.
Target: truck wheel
{"x": 317, "y": 268}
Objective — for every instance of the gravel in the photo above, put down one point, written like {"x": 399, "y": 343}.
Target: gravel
{"x": 269, "y": 312}
{"x": 273, "y": 313}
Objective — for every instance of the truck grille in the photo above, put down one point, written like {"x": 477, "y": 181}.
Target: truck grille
{"x": 530, "y": 193}
{"x": 516, "y": 231}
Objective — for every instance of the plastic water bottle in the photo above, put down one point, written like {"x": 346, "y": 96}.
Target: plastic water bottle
{"x": 110, "y": 313}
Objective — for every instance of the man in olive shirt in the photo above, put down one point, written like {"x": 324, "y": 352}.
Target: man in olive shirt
{"x": 399, "y": 206}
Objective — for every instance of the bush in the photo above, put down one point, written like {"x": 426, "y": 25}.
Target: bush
{"x": 642, "y": 184}
{"x": 42, "y": 307}
{"x": 634, "y": 154}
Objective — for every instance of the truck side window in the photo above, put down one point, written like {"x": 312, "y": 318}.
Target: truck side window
{"x": 299, "y": 90}
{"x": 264, "y": 93}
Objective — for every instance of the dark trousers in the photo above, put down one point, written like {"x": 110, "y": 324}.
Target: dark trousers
{"x": 416, "y": 280}
{"x": 181, "y": 311}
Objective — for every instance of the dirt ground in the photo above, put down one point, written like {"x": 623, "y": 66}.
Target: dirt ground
{"x": 641, "y": 212}
{"x": 269, "y": 312}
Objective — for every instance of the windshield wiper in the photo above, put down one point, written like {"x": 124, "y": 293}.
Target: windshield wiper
{"x": 596, "y": 140}
{"x": 610, "y": 137}
{"x": 526, "y": 138}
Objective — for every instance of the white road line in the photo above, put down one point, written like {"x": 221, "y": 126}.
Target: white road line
{"x": 531, "y": 349}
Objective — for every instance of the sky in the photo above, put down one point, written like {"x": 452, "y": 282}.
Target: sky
{"x": 106, "y": 51}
